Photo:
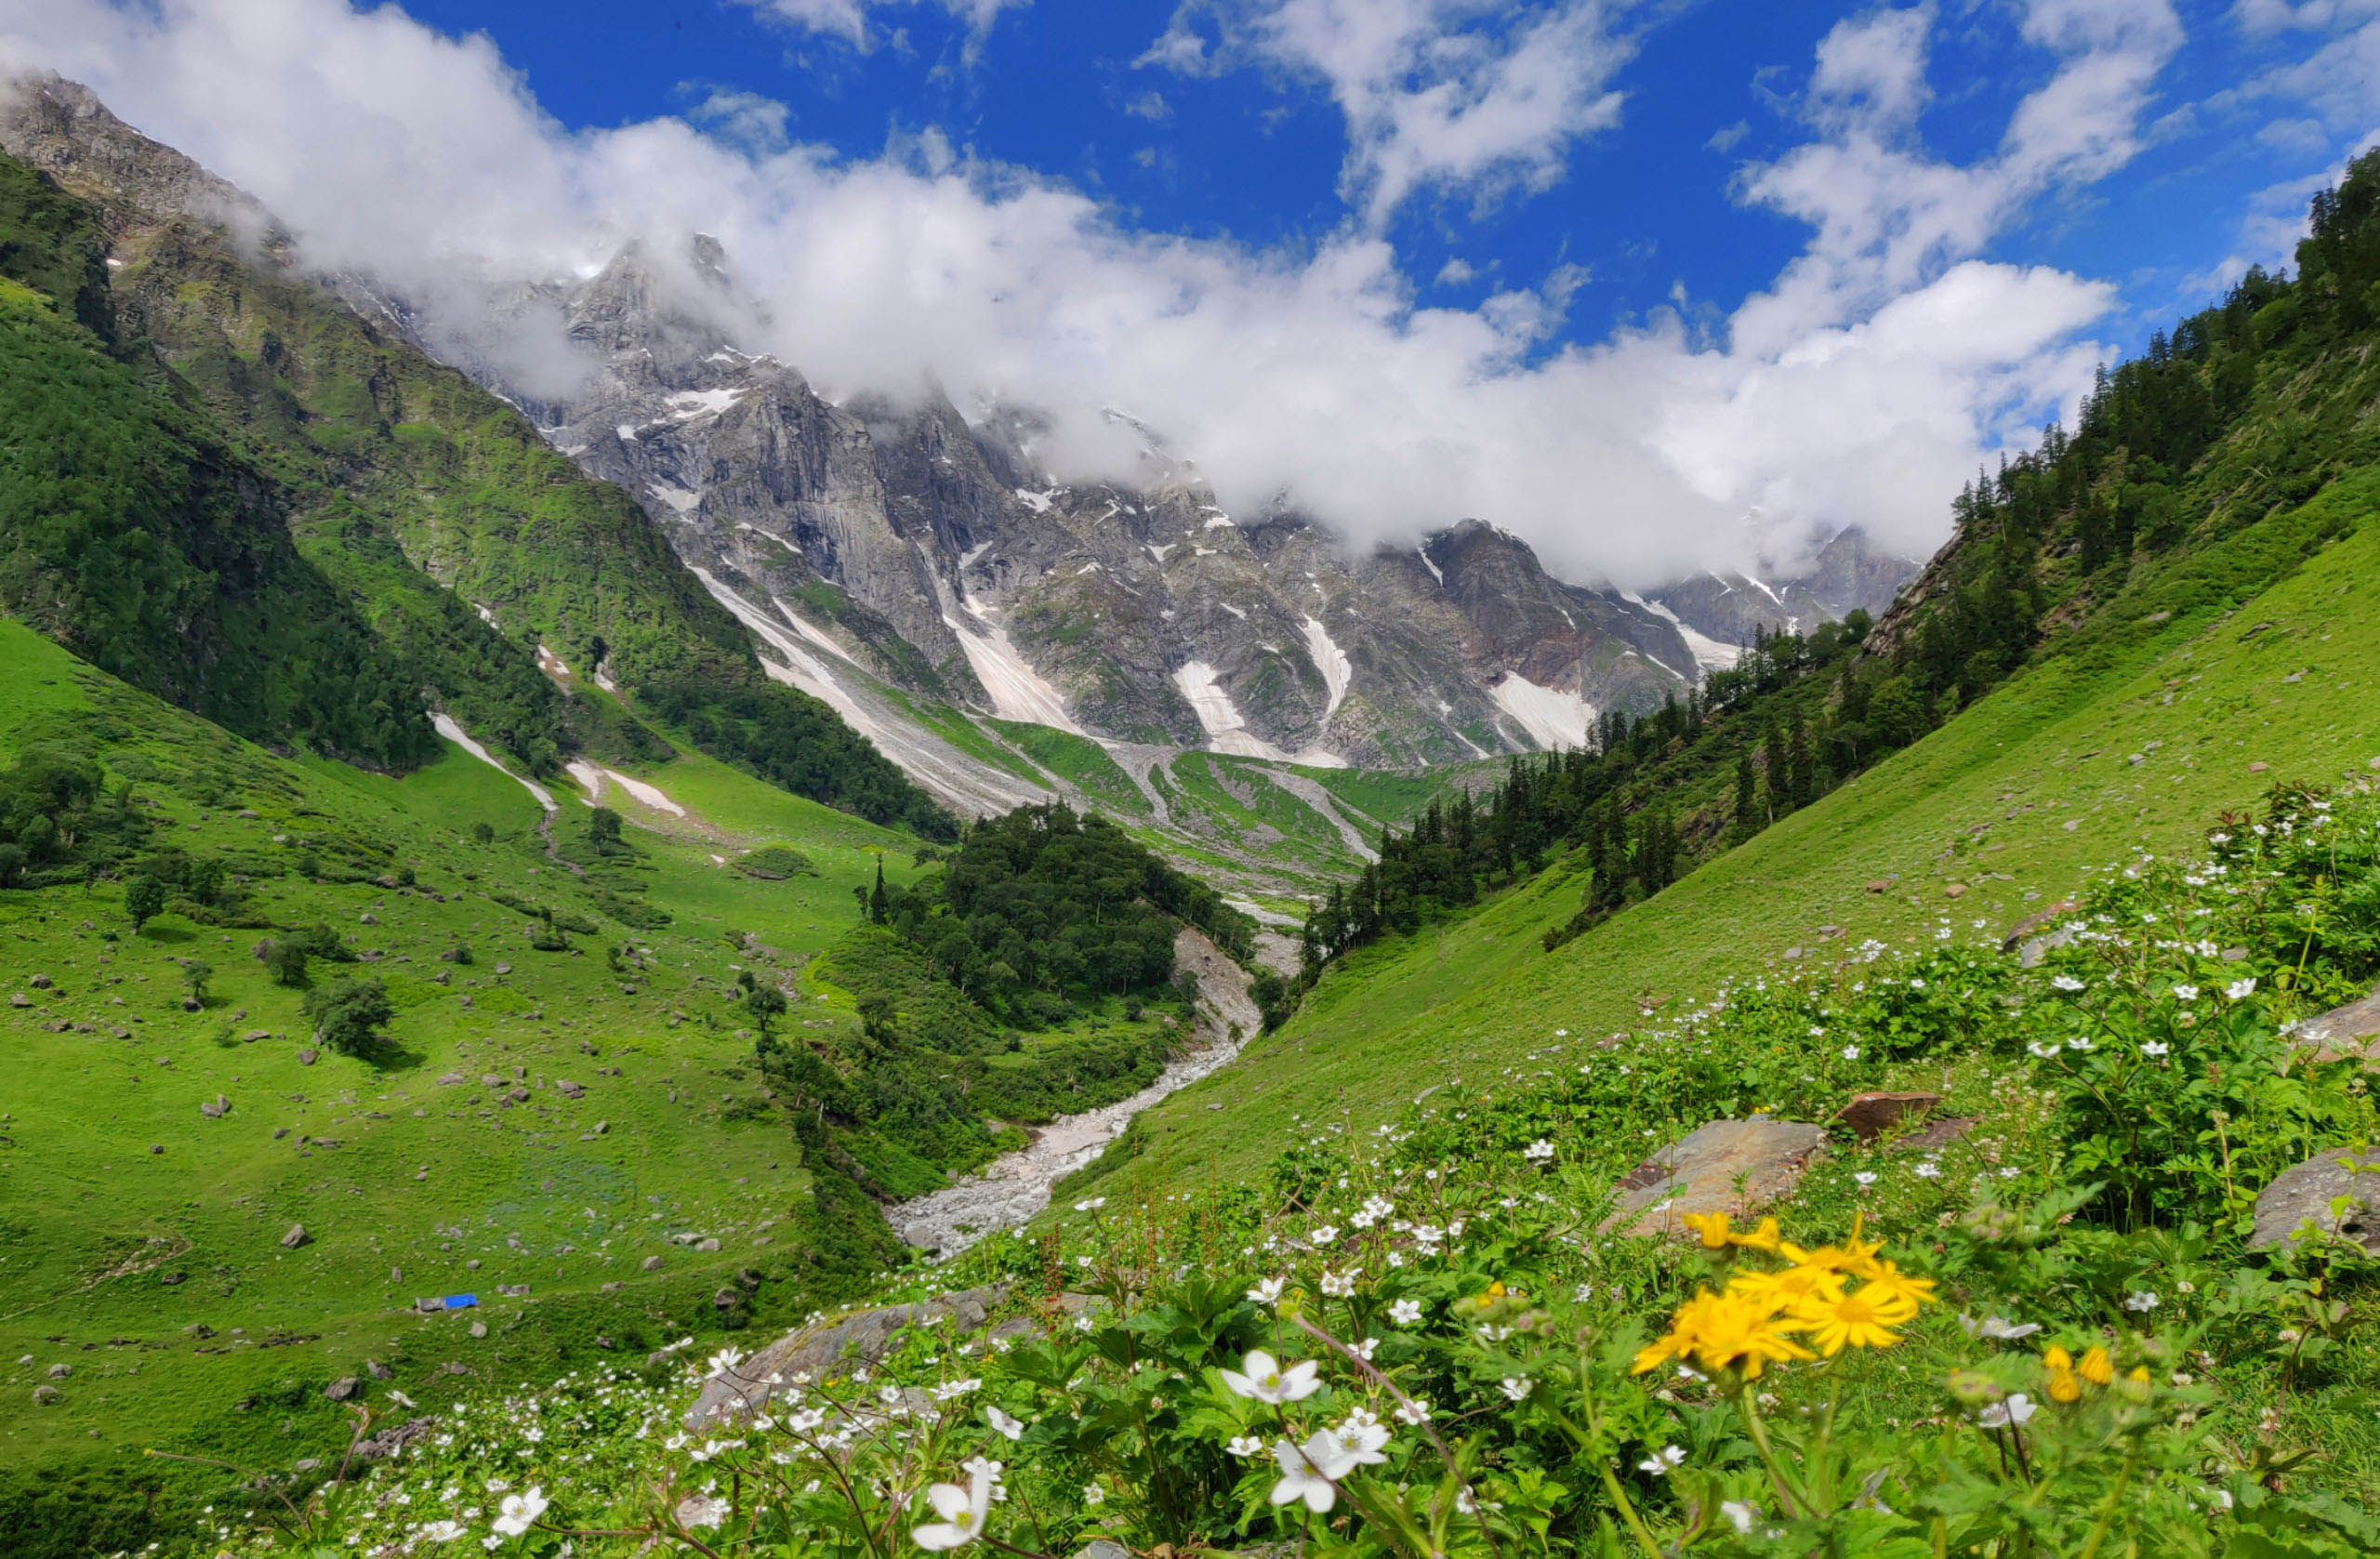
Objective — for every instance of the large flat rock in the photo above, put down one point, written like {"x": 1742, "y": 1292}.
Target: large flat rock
{"x": 2351, "y": 1030}
{"x": 2303, "y": 1194}
{"x": 832, "y": 1347}
{"x": 1734, "y": 1167}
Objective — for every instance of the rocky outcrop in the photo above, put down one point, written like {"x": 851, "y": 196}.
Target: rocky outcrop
{"x": 2342, "y": 1032}
{"x": 1702, "y": 1172}
{"x": 837, "y": 1347}
{"x": 911, "y": 541}
{"x": 1870, "y": 1116}
{"x": 2305, "y": 1195}
{"x": 1849, "y": 574}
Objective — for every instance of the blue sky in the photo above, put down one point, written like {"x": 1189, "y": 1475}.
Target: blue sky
{"x": 1656, "y": 284}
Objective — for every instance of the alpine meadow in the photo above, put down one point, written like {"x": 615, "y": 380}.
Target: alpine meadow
{"x": 1276, "y": 778}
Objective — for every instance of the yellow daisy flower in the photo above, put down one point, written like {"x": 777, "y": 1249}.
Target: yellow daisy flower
{"x": 2097, "y": 1367}
{"x": 1711, "y": 1226}
{"x": 1859, "y": 1319}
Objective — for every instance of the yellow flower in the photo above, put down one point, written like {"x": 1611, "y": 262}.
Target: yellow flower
{"x": 1685, "y": 1331}
{"x": 1738, "y": 1333}
{"x": 2140, "y": 1373}
{"x": 2054, "y": 1358}
{"x": 1781, "y": 1291}
{"x": 1859, "y": 1319}
{"x": 1852, "y": 1256}
{"x": 1890, "y": 1279}
{"x": 1711, "y": 1226}
{"x": 1765, "y": 1237}
{"x": 2063, "y": 1386}
{"x": 2097, "y": 1367}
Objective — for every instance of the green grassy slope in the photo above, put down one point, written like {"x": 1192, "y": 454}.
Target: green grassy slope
{"x": 141, "y": 1238}
{"x": 2015, "y": 801}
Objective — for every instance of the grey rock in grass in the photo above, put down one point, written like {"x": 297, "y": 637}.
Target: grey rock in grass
{"x": 861, "y": 1337}
{"x": 2351, "y": 1030}
{"x": 2304, "y": 1196}
{"x": 1699, "y": 1173}
{"x": 295, "y": 1237}
{"x": 342, "y": 1388}
{"x": 1870, "y": 1116}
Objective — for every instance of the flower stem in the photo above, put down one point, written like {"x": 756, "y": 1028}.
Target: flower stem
{"x": 1750, "y": 1413}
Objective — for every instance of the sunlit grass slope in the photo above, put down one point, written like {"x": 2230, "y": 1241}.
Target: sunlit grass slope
{"x": 141, "y": 1239}
{"x": 2186, "y": 696}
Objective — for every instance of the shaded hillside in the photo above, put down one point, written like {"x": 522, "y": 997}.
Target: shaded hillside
{"x": 138, "y": 535}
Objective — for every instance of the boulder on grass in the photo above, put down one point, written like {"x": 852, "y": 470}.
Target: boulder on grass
{"x": 1699, "y": 1173}
{"x": 861, "y": 1337}
{"x": 2351, "y": 1030}
{"x": 2304, "y": 1195}
{"x": 1870, "y": 1116}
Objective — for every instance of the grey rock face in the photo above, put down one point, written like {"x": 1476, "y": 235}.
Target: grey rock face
{"x": 1850, "y": 572}
{"x": 902, "y": 541}
{"x": 831, "y": 1347}
{"x": 2304, "y": 1196}
{"x": 2351, "y": 1030}
{"x": 1699, "y": 1174}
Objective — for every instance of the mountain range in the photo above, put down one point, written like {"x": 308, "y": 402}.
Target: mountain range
{"x": 936, "y": 551}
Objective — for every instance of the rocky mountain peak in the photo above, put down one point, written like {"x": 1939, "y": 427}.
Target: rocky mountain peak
{"x": 61, "y": 128}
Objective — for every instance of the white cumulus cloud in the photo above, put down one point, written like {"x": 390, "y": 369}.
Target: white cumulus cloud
{"x": 1862, "y": 388}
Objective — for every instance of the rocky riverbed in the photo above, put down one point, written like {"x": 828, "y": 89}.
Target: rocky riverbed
{"x": 1013, "y": 1187}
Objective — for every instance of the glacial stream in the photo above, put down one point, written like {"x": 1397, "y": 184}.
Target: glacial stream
{"x": 1013, "y": 1187}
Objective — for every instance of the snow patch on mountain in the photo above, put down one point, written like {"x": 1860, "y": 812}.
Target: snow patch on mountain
{"x": 809, "y": 630}
{"x": 592, "y": 778}
{"x": 445, "y": 726}
{"x": 1018, "y": 692}
{"x": 802, "y": 668}
{"x": 682, "y": 500}
{"x": 1218, "y": 716}
{"x": 1332, "y": 661}
{"x": 1227, "y": 731}
{"x": 687, "y": 404}
{"x": 1553, "y": 718}
{"x": 1710, "y": 655}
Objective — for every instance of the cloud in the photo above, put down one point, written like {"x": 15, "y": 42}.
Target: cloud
{"x": 744, "y": 119}
{"x": 2261, "y": 17}
{"x": 1727, "y": 136}
{"x": 1861, "y": 389}
{"x": 2339, "y": 83}
{"x": 1462, "y": 97}
{"x": 1886, "y": 212}
{"x": 847, "y": 20}
{"x": 1150, "y": 106}
{"x": 1455, "y": 272}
